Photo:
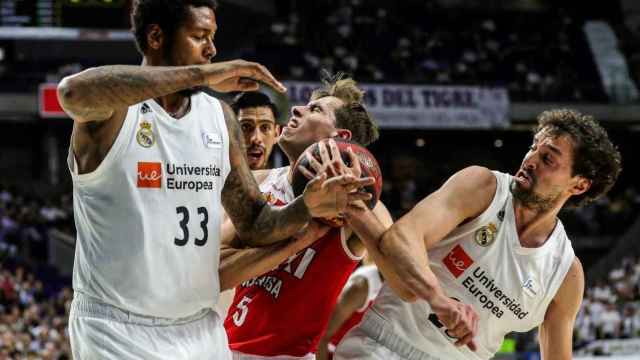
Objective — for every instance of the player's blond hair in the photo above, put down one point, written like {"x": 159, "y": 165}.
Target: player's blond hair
{"x": 353, "y": 115}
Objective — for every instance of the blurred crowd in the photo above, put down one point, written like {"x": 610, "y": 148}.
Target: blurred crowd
{"x": 611, "y": 307}
{"x": 34, "y": 300}
{"x": 418, "y": 42}
{"x": 33, "y": 322}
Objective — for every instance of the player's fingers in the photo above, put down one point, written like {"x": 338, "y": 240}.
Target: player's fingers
{"x": 313, "y": 162}
{"x": 259, "y": 72}
{"x": 245, "y": 84}
{"x": 355, "y": 162}
{"x": 317, "y": 182}
{"x": 356, "y": 196}
{"x": 308, "y": 174}
{"x": 338, "y": 164}
{"x": 324, "y": 156}
{"x": 466, "y": 340}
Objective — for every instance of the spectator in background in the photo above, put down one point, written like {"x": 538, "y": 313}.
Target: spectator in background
{"x": 610, "y": 322}
{"x": 585, "y": 329}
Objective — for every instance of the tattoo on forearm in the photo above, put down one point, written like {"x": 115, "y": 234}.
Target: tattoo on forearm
{"x": 257, "y": 223}
{"x": 119, "y": 86}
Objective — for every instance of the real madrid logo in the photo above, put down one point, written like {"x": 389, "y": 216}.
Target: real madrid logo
{"x": 145, "y": 135}
{"x": 486, "y": 235}
{"x": 269, "y": 198}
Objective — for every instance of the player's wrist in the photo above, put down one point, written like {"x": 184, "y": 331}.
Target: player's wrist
{"x": 300, "y": 204}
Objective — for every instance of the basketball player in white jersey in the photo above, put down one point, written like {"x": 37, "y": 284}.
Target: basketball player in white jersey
{"x": 153, "y": 160}
{"x": 492, "y": 241}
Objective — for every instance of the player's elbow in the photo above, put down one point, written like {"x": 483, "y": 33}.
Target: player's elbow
{"x": 68, "y": 92}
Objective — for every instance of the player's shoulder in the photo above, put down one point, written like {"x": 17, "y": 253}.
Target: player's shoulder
{"x": 474, "y": 180}
{"x": 262, "y": 174}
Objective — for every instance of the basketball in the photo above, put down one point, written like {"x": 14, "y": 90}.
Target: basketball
{"x": 368, "y": 164}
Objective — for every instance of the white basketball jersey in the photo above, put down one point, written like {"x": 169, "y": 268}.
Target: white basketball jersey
{"x": 148, "y": 218}
{"x": 482, "y": 263}
{"x": 374, "y": 283}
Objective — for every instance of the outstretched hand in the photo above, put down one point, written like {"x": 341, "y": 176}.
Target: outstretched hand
{"x": 239, "y": 75}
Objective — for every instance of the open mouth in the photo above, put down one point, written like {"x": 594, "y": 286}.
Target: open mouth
{"x": 255, "y": 154}
{"x": 523, "y": 178}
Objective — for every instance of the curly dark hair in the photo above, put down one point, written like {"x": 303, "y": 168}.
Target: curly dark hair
{"x": 353, "y": 115}
{"x": 168, "y": 14}
{"x": 594, "y": 155}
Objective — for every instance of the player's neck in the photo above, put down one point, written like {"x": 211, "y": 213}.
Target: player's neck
{"x": 535, "y": 226}
{"x": 176, "y": 105}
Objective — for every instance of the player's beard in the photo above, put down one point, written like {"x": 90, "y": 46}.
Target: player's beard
{"x": 530, "y": 199}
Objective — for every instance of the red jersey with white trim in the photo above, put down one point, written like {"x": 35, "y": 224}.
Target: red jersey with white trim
{"x": 286, "y": 310}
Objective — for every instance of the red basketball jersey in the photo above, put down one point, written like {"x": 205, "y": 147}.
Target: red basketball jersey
{"x": 286, "y": 310}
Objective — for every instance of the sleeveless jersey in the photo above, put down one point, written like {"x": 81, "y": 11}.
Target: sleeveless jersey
{"x": 148, "y": 218}
{"x": 286, "y": 310}
{"x": 374, "y": 284}
{"x": 482, "y": 263}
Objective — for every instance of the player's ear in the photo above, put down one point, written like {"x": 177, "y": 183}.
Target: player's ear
{"x": 344, "y": 134}
{"x": 155, "y": 37}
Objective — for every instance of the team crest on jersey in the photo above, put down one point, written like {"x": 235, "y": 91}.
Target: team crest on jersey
{"x": 486, "y": 235}
{"x": 145, "y": 136}
{"x": 269, "y": 198}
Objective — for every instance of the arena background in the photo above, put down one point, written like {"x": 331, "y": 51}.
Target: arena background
{"x": 452, "y": 82}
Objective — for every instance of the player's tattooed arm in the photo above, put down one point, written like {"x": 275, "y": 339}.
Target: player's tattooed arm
{"x": 97, "y": 93}
{"x": 256, "y": 223}
{"x": 238, "y": 264}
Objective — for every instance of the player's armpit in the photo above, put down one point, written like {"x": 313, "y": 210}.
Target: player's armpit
{"x": 556, "y": 331}
{"x": 257, "y": 223}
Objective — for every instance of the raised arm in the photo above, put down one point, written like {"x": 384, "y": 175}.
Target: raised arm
{"x": 97, "y": 99}
{"x": 99, "y": 93}
{"x": 556, "y": 331}
{"x": 259, "y": 224}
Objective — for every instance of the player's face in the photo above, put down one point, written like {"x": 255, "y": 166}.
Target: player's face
{"x": 192, "y": 43}
{"x": 309, "y": 124}
{"x": 545, "y": 176}
{"x": 260, "y": 134}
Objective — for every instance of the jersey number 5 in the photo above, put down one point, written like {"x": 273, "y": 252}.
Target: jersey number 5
{"x": 241, "y": 314}
{"x": 202, "y": 211}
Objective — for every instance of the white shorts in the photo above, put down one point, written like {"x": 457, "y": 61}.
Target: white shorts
{"x": 101, "y": 331}
{"x": 241, "y": 356}
{"x": 372, "y": 339}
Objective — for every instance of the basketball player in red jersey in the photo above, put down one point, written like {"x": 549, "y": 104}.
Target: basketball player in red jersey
{"x": 285, "y": 293}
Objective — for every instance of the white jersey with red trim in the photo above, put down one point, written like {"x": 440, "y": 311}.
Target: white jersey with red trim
{"x": 148, "y": 218}
{"x": 482, "y": 263}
